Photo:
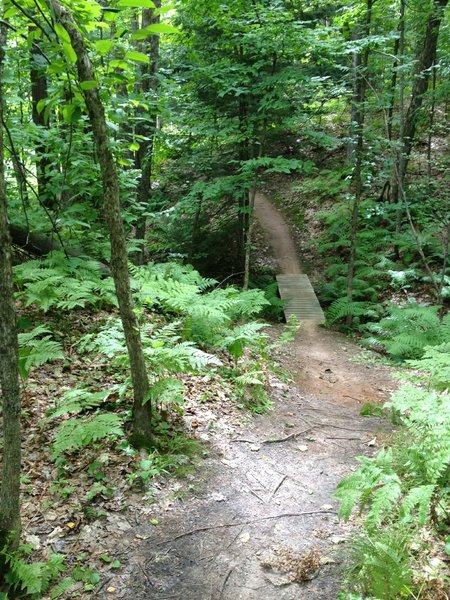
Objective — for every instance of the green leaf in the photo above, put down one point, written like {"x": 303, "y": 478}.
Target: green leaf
{"x": 135, "y": 56}
{"x": 447, "y": 545}
{"x": 71, "y": 113}
{"x": 134, "y": 147}
{"x": 62, "y": 33}
{"x": 136, "y": 4}
{"x": 103, "y": 46}
{"x": 69, "y": 52}
{"x": 41, "y": 105}
{"x": 154, "y": 29}
{"x": 88, "y": 84}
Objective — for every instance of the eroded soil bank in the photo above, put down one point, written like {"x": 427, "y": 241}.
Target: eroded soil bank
{"x": 257, "y": 521}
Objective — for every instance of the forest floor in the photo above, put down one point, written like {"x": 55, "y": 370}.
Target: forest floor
{"x": 257, "y": 520}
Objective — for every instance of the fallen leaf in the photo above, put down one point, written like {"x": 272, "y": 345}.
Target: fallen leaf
{"x": 244, "y": 537}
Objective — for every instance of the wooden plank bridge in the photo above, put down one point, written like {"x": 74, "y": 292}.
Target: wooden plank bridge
{"x": 300, "y": 298}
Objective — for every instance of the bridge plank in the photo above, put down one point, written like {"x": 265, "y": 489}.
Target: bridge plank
{"x": 300, "y": 298}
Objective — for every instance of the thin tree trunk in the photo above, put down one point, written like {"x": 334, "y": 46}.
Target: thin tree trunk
{"x": 39, "y": 92}
{"x": 360, "y": 63}
{"x": 9, "y": 364}
{"x": 430, "y": 128}
{"x": 141, "y": 434}
{"x": 147, "y": 125}
{"x": 248, "y": 241}
{"x": 393, "y": 86}
{"x": 426, "y": 59}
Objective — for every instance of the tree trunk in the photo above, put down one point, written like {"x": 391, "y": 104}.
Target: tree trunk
{"x": 141, "y": 434}
{"x": 248, "y": 241}
{"x": 38, "y": 82}
{"x": 9, "y": 364}
{"x": 361, "y": 62}
{"x": 426, "y": 59}
{"x": 146, "y": 126}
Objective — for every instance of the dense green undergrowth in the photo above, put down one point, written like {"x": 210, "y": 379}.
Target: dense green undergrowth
{"x": 402, "y": 493}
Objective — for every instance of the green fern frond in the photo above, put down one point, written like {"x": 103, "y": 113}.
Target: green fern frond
{"x": 35, "y": 351}
{"x": 418, "y": 498}
{"x": 63, "y": 586}
{"x": 341, "y": 308}
{"x": 78, "y": 400}
{"x": 79, "y": 432}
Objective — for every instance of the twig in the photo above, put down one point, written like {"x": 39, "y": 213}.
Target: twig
{"x": 145, "y": 575}
{"x": 226, "y": 581}
{"x": 344, "y": 428}
{"x": 343, "y": 438}
{"x": 282, "y": 480}
{"x": 104, "y": 584}
{"x": 245, "y": 441}
{"x": 289, "y": 437}
{"x": 255, "y": 494}
{"x": 238, "y": 524}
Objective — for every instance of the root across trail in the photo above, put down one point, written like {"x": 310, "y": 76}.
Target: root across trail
{"x": 259, "y": 521}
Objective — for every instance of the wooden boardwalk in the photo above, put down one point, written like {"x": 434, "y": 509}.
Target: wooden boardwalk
{"x": 300, "y": 298}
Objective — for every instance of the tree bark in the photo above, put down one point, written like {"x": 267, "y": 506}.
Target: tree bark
{"x": 141, "y": 434}
{"x": 38, "y": 82}
{"x": 361, "y": 62}
{"x": 146, "y": 126}
{"x": 426, "y": 59}
{"x": 248, "y": 241}
{"x": 9, "y": 364}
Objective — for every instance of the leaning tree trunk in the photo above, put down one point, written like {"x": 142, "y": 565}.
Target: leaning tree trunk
{"x": 9, "y": 364}
{"x": 141, "y": 434}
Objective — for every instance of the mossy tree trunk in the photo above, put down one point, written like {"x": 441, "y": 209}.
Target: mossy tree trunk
{"x": 9, "y": 364}
{"x": 141, "y": 434}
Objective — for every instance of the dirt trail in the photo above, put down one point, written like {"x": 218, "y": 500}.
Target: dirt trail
{"x": 260, "y": 522}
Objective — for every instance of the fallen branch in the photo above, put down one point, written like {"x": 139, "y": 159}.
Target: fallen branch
{"x": 238, "y": 524}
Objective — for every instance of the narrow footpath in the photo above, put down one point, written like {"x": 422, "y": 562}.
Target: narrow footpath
{"x": 260, "y": 522}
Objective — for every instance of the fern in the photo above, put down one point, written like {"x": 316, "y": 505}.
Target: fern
{"x": 33, "y": 578}
{"x": 79, "y": 400}
{"x": 381, "y": 564}
{"x": 168, "y": 391}
{"x": 36, "y": 348}
{"x": 408, "y": 330}
{"x": 341, "y": 308}
{"x": 79, "y": 432}
{"x": 65, "y": 283}
{"x": 63, "y": 586}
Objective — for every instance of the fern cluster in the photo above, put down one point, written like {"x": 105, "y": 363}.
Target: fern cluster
{"x": 404, "y": 488}
{"x": 31, "y": 578}
{"x": 407, "y": 330}
{"x": 206, "y": 314}
{"x": 64, "y": 283}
